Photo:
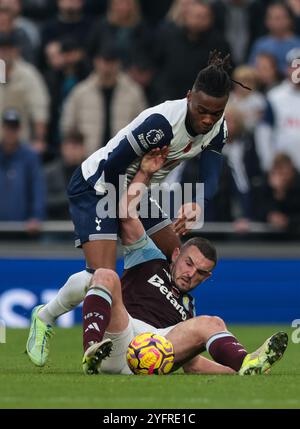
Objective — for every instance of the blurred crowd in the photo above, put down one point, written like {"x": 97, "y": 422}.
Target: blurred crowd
{"x": 77, "y": 71}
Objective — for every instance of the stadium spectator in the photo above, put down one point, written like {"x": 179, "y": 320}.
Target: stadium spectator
{"x": 237, "y": 19}
{"x": 234, "y": 18}
{"x": 58, "y": 174}
{"x": 95, "y": 7}
{"x": 69, "y": 21}
{"x": 250, "y": 103}
{"x": 279, "y": 202}
{"x": 241, "y": 175}
{"x": 21, "y": 179}
{"x": 53, "y": 56}
{"x": 70, "y": 69}
{"x": 155, "y": 296}
{"x": 280, "y": 38}
{"x": 295, "y": 7}
{"x": 8, "y": 25}
{"x": 26, "y": 91}
{"x": 155, "y": 11}
{"x": 280, "y": 128}
{"x": 39, "y": 10}
{"x": 178, "y": 12}
{"x": 183, "y": 51}
{"x": 268, "y": 75}
{"x": 21, "y": 22}
{"x": 142, "y": 70}
{"x": 103, "y": 103}
{"x": 123, "y": 26}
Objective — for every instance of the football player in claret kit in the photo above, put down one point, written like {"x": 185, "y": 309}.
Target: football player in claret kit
{"x": 189, "y": 126}
{"x": 153, "y": 296}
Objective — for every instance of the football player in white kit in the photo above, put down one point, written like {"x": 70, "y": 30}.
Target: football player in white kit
{"x": 190, "y": 126}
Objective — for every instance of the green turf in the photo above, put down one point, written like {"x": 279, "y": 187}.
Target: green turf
{"x": 62, "y": 385}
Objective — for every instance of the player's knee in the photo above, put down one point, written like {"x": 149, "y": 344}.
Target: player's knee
{"x": 218, "y": 323}
{"x": 83, "y": 277}
{"x": 107, "y": 278}
{"x": 212, "y": 322}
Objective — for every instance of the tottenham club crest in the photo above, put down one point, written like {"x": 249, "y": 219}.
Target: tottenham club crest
{"x": 154, "y": 136}
{"x": 98, "y": 222}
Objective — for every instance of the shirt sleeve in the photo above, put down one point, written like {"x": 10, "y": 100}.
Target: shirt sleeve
{"x": 155, "y": 131}
{"x": 143, "y": 250}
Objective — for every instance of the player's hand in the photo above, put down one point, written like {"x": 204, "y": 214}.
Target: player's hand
{"x": 187, "y": 215}
{"x": 154, "y": 160}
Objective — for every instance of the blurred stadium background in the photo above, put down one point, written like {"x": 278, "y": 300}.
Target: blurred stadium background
{"x": 77, "y": 71}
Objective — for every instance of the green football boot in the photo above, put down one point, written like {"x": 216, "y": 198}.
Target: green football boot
{"x": 94, "y": 355}
{"x": 260, "y": 361}
{"x": 40, "y": 333}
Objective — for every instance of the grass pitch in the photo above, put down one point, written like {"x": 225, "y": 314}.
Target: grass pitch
{"x": 61, "y": 384}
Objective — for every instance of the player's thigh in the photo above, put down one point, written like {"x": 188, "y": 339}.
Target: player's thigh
{"x": 140, "y": 327}
{"x": 95, "y": 232}
{"x": 186, "y": 340}
{"x": 119, "y": 317}
{"x": 100, "y": 253}
{"x": 116, "y": 363}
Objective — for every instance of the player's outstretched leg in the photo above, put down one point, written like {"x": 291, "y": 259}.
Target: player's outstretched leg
{"x": 261, "y": 360}
{"x": 102, "y": 308}
{"x": 37, "y": 346}
{"x": 44, "y": 316}
{"x": 189, "y": 338}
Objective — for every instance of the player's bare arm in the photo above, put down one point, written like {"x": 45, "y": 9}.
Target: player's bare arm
{"x": 131, "y": 227}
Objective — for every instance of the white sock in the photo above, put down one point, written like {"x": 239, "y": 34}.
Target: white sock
{"x": 68, "y": 297}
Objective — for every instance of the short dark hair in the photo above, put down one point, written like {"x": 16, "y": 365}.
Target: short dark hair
{"x": 69, "y": 44}
{"x": 214, "y": 79}
{"x": 205, "y": 246}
